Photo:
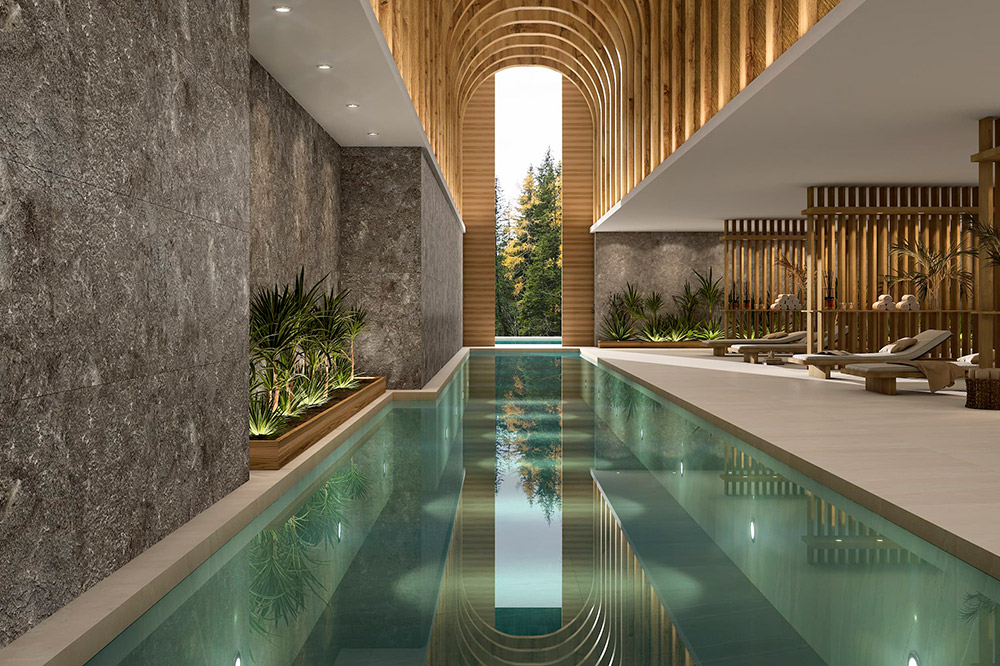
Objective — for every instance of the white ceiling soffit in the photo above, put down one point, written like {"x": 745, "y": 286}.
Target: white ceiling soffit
{"x": 880, "y": 92}
{"x": 345, "y": 35}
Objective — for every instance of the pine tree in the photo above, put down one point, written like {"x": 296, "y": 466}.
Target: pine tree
{"x": 539, "y": 236}
{"x": 506, "y": 305}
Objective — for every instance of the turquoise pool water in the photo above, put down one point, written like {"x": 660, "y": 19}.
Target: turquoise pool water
{"x": 547, "y": 510}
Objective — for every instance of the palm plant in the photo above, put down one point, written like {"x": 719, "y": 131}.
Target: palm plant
{"x": 354, "y": 325}
{"x": 632, "y": 300}
{"x": 687, "y": 303}
{"x": 795, "y": 272}
{"x": 987, "y": 236}
{"x": 931, "y": 270}
{"x": 710, "y": 292}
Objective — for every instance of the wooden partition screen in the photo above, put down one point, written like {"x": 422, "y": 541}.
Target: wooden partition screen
{"x": 988, "y": 286}
{"x": 479, "y": 245}
{"x": 577, "y": 216}
{"x": 763, "y": 258}
{"x": 851, "y": 234}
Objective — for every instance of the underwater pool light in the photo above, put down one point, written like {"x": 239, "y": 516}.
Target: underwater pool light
{"x": 753, "y": 530}
{"x": 682, "y": 468}
{"x": 912, "y": 660}
{"x": 238, "y": 661}
{"x": 340, "y": 531}
{"x": 385, "y": 468}
{"x": 642, "y": 434}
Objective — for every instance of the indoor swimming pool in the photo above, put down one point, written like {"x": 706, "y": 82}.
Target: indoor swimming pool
{"x": 546, "y": 510}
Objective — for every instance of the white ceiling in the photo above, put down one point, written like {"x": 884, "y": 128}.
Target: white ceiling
{"x": 883, "y": 92}
{"x": 345, "y": 35}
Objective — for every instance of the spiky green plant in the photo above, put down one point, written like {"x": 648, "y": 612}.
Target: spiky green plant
{"x": 632, "y": 299}
{"x": 931, "y": 270}
{"x": 687, "y": 303}
{"x": 709, "y": 330}
{"x": 652, "y": 305}
{"x": 265, "y": 421}
{"x": 617, "y": 322}
{"x": 657, "y": 328}
{"x": 354, "y": 325}
{"x": 977, "y": 605}
{"x": 353, "y": 483}
{"x": 710, "y": 292}
{"x": 987, "y": 237}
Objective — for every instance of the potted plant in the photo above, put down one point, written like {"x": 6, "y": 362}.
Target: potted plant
{"x": 931, "y": 269}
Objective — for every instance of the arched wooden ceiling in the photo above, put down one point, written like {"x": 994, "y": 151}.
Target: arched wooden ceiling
{"x": 652, "y": 71}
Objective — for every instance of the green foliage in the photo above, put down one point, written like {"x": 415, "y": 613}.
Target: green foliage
{"x": 617, "y": 323}
{"x": 284, "y": 561}
{"x": 632, "y": 315}
{"x": 977, "y": 605}
{"x": 265, "y": 421}
{"x": 530, "y": 256}
{"x": 710, "y": 292}
{"x": 506, "y": 315}
{"x": 687, "y": 303}
{"x": 931, "y": 269}
{"x": 987, "y": 236}
{"x": 301, "y": 348}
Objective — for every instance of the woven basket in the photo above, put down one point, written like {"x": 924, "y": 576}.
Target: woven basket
{"x": 983, "y": 393}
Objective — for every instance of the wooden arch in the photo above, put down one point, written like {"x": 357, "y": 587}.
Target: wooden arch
{"x": 651, "y": 71}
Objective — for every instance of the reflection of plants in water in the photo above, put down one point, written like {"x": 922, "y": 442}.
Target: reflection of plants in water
{"x": 283, "y": 561}
{"x": 977, "y": 605}
{"x": 531, "y": 440}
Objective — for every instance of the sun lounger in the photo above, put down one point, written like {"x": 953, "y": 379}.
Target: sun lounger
{"x": 719, "y": 347}
{"x": 822, "y": 364}
{"x": 752, "y": 351}
{"x": 881, "y": 377}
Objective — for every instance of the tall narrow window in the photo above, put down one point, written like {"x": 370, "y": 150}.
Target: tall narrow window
{"x": 528, "y": 205}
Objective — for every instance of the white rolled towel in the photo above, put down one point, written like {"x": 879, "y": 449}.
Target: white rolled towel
{"x": 907, "y": 306}
{"x": 885, "y": 298}
{"x": 883, "y": 306}
{"x": 910, "y": 298}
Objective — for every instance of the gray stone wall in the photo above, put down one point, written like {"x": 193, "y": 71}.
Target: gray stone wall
{"x": 651, "y": 260}
{"x": 124, "y": 250}
{"x": 401, "y": 255}
{"x": 294, "y": 189}
{"x": 441, "y": 275}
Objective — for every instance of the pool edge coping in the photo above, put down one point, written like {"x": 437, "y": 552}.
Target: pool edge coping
{"x": 79, "y": 630}
{"x": 970, "y": 553}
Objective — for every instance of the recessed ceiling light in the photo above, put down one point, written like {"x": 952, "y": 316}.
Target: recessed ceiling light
{"x": 352, "y": 106}
{"x": 282, "y": 9}
{"x": 323, "y": 67}
{"x": 372, "y": 133}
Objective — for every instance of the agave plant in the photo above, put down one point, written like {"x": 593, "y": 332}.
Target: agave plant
{"x": 265, "y": 420}
{"x": 932, "y": 269}
{"x": 657, "y": 328}
{"x": 617, "y": 324}
{"x": 709, "y": 330}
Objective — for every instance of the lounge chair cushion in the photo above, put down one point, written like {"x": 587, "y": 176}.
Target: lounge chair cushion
{"x": 899, "y": 345}
{"x": 926, "y": 342}
{"x": 775, "y": 336}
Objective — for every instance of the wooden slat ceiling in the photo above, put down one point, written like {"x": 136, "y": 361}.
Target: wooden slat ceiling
{"x": 652, "y": 71}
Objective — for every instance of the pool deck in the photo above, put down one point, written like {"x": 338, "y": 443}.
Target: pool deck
{"x": 922, "y": 460}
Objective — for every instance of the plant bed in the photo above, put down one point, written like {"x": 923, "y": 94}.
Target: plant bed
{"x": 642, "y": 344}
{"x": 314, "y": 424}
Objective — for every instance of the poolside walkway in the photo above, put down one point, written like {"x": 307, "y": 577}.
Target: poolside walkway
{"x": 922, "y": 460}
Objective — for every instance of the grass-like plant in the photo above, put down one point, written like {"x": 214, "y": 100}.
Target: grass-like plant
{"x": 932, "y": 269}
{"x": 795, "y": 272}
{"x": 617, "y": 324}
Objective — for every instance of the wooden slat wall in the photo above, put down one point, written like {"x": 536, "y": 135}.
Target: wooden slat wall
{"x": 578, "y": 206}
{"x": 479, "y": 242}
{"x": 988, "y": 282}
{"x": 753, "y": 281}
{"x": 851, "y": 232}
{"x": 651, "y": 71}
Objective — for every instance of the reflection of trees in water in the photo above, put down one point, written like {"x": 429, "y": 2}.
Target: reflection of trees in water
{"x": 528, "y": 429}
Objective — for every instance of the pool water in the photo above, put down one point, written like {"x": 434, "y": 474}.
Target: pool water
{"x": 545, "y": 510}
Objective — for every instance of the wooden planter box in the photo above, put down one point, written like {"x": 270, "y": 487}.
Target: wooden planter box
{"x": 639, "y": 344}
{"x": 275, "y": 453}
